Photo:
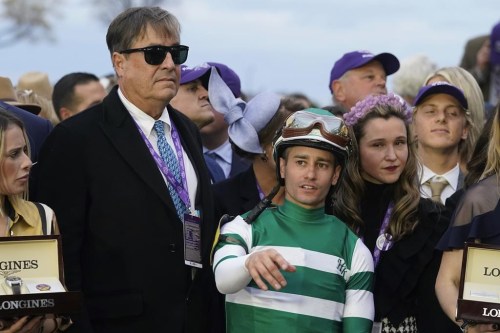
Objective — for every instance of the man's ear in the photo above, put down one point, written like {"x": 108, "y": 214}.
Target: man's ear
{"x": 65, "y": 113}
{"x": 336, "y": 174}
{"x": 338, "y": 90}
{"x": 118, "y": 60}
{"x": 465, "y": 132}
{"x": 282, "y": 167}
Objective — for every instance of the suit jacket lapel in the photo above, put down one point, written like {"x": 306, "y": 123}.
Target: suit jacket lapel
{"x": 119, "y": 127}
{"x": 121, "y": 130}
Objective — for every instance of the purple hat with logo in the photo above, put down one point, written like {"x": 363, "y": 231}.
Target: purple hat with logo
{"x": 495, "y": 45}
{"x": 189, "y": 74}
{"x": 357, "y": 59}
{"x": 441, "y": 88}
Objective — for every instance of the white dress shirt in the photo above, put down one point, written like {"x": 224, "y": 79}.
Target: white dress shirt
{"x": 451, "y": 177}
{"x": 146, "y": 124}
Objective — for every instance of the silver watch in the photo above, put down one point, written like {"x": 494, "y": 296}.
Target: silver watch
{"x": 15, "y": 283}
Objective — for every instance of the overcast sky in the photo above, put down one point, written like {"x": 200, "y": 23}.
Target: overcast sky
{"x": 279, "y": 45}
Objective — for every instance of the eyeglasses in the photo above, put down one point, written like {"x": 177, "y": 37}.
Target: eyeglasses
{"x": 303, "y": 123}
{"x": 303, "y": 119}
{"x": 155, "y": 55}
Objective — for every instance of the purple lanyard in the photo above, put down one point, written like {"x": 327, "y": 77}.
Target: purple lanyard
{"x": 261, "y": 193}
{"x": 383, "y": 242}
{"x": 179, "y": 188}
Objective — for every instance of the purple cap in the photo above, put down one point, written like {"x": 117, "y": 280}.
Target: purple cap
{"x": 441, "y": 88}
{"x": 357, "y": 59}
{"x": 495, "y": 45}
{"x": 189, "y": 74}
{"x": 229, "y": 77}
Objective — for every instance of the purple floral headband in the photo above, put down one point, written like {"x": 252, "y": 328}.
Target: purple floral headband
{"x": 360, "y": 110}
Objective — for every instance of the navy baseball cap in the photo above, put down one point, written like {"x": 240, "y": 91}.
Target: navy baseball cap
{"x": 441, "y": 87}
{"x": 358, "y": 59}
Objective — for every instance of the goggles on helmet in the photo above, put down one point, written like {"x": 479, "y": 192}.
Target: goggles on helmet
{"x": 312, "y": 126}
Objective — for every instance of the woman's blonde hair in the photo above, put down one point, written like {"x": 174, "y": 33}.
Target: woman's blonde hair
{"x": 7, "y": 120}
{"x": 493, "y": 154}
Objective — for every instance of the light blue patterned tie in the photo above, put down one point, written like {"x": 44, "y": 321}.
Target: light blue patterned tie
{"x": 168, "y": 156}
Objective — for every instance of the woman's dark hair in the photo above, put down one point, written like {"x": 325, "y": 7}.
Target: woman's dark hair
{"x": 348, "y": 195}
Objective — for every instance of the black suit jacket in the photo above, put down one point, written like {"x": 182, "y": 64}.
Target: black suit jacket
{"x": 236, "y": 195}
{"x": 122, "y": 239}
{"x": 238, "y": 164}
{"x": 406, "y": 274}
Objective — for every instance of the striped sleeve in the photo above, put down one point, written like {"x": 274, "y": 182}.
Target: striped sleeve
{"x": 230, "y": 255}
{"x": 359, "y": 309}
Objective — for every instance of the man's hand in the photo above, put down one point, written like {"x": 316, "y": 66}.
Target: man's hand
{"x": 24, "y": 324}
{"x": 480, "y": 328}
{"x": 266, "y": 265}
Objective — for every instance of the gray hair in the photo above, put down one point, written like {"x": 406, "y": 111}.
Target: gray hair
{"x": 131, "y": 25}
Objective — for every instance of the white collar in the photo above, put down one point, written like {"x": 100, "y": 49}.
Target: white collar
{"x": 451, "y": 176}
{"x": 145, "y": 121}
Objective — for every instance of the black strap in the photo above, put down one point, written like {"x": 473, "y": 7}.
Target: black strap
{"x": 263, "y": 204}
{"x": 41, "y": 210}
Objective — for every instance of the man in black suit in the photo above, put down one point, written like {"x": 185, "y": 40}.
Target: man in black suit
{"x": 122, "y": 211}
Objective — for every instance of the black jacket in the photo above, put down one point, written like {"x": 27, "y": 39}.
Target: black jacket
{"x": 122, "y": 240}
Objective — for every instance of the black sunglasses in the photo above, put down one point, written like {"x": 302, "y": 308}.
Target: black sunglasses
{"x": 155, "y": 55}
